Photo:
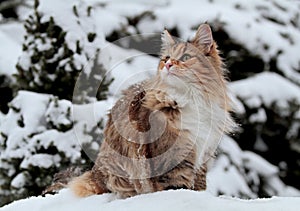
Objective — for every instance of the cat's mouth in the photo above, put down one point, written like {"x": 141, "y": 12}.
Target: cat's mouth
{"x": 172, "y": 71}
{"x": 172, "y": 77}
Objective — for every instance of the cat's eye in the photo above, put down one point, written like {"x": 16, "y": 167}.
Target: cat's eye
{"x": 185, "y": 57}
{"x": 166, "y": 59}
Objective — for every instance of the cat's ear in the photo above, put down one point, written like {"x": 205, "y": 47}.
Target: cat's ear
{"x": 204, "y": 38}
{"x": 166, "y": 39}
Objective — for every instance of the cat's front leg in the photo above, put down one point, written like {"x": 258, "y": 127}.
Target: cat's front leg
{"x": 181, "y": 177}
{"x": 158, "y": 100}
{"x": 200, "y": 180}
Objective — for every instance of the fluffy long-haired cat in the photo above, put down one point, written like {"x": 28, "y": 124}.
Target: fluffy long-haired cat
{"x": 163, "y": 131}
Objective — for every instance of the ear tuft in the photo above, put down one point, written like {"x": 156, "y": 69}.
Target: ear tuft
{"x": 204, "y": 38}
{"x": 167, "y": 39}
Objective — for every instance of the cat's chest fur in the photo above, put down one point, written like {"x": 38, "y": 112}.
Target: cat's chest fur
{"x": 195, "y": 119}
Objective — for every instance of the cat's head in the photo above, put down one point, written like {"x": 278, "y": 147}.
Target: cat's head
{"x": 195, "y": 62}
{"x": 193, "y": 71}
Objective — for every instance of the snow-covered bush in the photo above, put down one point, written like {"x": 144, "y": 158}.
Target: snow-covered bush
{"x": 260, "y": 41}
{"x": 271, "y": 123}
{"x": 245, "y": 174}
{"x": 61, "y": 41}
{"x": 38, "y": 137}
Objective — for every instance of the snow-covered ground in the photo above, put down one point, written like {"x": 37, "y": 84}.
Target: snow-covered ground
{"x": 175, "y": 200}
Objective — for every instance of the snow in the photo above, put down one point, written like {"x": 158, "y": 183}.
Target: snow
{"x": 69, "y": 146}
{"x": 40, "y": 160}
{"x": 267, "y": 88}
{"x": 58, "y": 111}
{"x": 256, "y": 163}
{"x": 240, "y": 173}
{"x": 9, "y": 52}
{"x": 165, "y": 200}
{"x": 11, "y": 36}
{"x": 9, "y": 124}
{"x": 126, "y": 66}
{"x": 27, "y": 128}
{"x": 234, "y": 169}
{"x": 92, "y": 112}
{"x": 226, "y": 179}
{"x": 76, "y": 27}
{"x": 19, "y": 181}
{"x": 260, "y": 116}
{"x": 15, "y": 31}
{"x": 114, "y": 23}
{"x": 80, "y": 23}
{"x": 267, "y": 24}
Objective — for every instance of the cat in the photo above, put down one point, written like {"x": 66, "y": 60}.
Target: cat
{"x": 164, "y": 131}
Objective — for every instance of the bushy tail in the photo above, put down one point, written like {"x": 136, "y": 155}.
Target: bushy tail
{"x": 81, "y": 184}
{"x": 85, "y": 185}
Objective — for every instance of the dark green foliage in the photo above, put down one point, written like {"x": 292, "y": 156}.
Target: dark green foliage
{"x": 6, "y": 91}
{"x": 44, "y": 74}
{"x": 48, "y": 64}
{"x": 91, "y": 37}
{"x": 276, "y": 134}
{"x": 9, "y": 8}
{"x": 45, "y": 149}
{"x": 36, "y": 77}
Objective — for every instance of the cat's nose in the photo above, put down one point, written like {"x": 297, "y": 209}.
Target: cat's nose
{"x": 168, "y": 65}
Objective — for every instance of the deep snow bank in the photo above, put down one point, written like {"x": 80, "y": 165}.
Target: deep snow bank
{"x": 165, "y": 200}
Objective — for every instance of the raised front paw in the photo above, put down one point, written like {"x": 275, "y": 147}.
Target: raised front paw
{"x": 158, "y": 100}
